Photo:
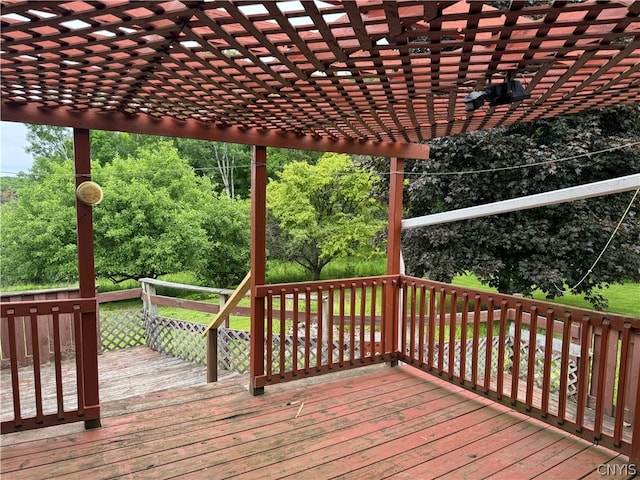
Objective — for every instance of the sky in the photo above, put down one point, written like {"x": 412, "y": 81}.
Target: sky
{"x": 13, "y": 158}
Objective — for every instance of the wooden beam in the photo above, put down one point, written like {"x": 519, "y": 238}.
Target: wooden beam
{"x": 396, "y": 182}
{"x": 597, "y": 189}
{"x": 258, "y": 263}
{"x": 116, "y": 121}
{"x": 87, "y": 280}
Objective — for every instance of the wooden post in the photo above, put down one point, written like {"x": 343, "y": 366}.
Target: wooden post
{"x": 90, "y": 337}
{"x": 394, "y": 244}
{"x": 212, "y": 355}
{"x": 258, "y": 263}
{"x": 634, "y": 456}
{"x": 222, "y": 300}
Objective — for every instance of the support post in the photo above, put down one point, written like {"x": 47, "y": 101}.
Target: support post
{"x": 212, "y": 355}
{"x": 258, "y": 262}
{"x": 394, "y": 243}
{"x": 90, "y": 337}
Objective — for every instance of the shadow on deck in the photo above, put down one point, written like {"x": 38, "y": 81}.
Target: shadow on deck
{"x": 374, "y": 422}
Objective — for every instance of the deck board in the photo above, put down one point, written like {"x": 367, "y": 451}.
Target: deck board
{"x": 374, "y": 422}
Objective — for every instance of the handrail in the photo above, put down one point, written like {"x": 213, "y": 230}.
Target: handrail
{"x": 233, "y": 301}
{"x": 182, "y": 286}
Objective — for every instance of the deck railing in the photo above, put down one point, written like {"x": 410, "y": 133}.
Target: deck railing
{"x": 22, "y": 323}
{"x": 443, "y": 327}
{"x": 573, "y": 368}
{"x": 331, "y": 325}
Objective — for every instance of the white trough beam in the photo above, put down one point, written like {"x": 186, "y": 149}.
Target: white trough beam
{"x": 597, "y": 189}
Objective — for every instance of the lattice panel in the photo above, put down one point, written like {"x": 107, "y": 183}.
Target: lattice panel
{"x": 556, "y": 358}
{"x": 354, "y": 70}
{"x": 177, "y": 338}
{"x": 482, "y": 351}
{"x": 122, "y": 329}
{"x": 233, "y": 350}
{"x": 572, "y": 383}
{"x": 300, "y": 359}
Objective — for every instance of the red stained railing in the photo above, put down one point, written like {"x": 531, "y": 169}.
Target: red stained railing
{"x": 22, "y": 323}
{"x": 575, "y": 369}
{"x": 325, "y": 326}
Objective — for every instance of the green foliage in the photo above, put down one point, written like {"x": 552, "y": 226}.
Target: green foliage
{"x": 9, "y": 187}
{"x": 547, "y": 247}
{"x": 149, "y": 223}
{"x": 225, "y": 262}
{"x": 48, "y": 145}
{"x": 227, "y": 164}
{"x": 157, "y": 217}
{"x": 38, "y": 234}
{"x": 322, "y": 212}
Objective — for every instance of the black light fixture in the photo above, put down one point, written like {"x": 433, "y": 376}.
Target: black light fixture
{"x": 503, "y": 93}
{"x": 474, "y": 100}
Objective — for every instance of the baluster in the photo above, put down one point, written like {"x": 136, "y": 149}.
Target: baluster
{"x": 453, "y": 314}
{"x": 341, "y": 332}
{"x": 477, "y": 305}
{"x": 269, "y": 356}
{"x": 57, "y": 359}
{"x": 622, "y": 386}
{"x": 283, "y": 334}
{"x": 307, "y": 330}
{"x": 489, "y": 351}
{"x": 320, "y": 335}
{"x": 441, "y": 329}
{"x": 583, "y": 376}
{"x": 372, "y": 324}
{"x": 517, "y": 344}
{"x": 502, "y": 338}
{"x": 363, "y": 313}
{"x": 531, "y": 357}
{"x": 421, "y": 328}
{"x": 548, "y": 353}
{"x": 432, "y": 325}
{"x": 296, "y": 323}
{"x": 602, "y": 366}
{"x": 564, "y": 368}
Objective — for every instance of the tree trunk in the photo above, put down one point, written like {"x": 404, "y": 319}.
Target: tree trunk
{"x": 315, "y": 272}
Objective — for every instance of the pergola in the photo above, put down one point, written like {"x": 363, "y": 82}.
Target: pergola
{"x": 370, "y": 77}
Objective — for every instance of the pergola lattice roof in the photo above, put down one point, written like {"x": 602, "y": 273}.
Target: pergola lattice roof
{"x": 370, "y": 74}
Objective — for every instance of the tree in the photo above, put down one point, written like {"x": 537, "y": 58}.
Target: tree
{"x": 225, "y": 261}
{"x": 550, "y": 248}
{"x": 322, "y": 212}
{"x": 38, "y": 234}
{"x": 149, "y": 223}
{"x": 157, "y": 217}
{"x": 48, "y": 145}
{"x": 225, "y": 163}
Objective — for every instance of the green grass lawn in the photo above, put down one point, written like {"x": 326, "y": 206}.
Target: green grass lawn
{"x": 623, "y": 299}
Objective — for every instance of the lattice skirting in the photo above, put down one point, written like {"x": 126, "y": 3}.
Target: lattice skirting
{"x": 122, "y": 329}
{"x": 177, "y": 338}
{"x": 572, "y": 386}
{"x": 184, "y": 340}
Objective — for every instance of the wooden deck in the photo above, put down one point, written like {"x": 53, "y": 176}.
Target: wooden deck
{"x": 375, "y": 422}
{"x": 123, "y": 374}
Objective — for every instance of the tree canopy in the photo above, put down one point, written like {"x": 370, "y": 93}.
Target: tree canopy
{"x": 157, "y": 217}
{"x": 321, "y": 212}
{"x": 551, "y": 248}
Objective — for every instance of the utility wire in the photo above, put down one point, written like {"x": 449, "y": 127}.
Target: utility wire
{"x": 386, "y": 173}
{"x": 604, "y": 249}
